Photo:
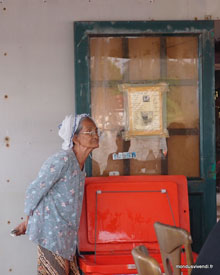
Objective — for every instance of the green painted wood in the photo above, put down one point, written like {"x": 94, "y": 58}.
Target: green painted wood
{"x": 201, "y": 205}
{"x": 207, "y": 124}
{"x": 105, "y": 28}
{"x": 82, "y": 81}
{"x": 196, "y": 202}
{"x": 82, "y": 91}
{"x": 202, "y": 191}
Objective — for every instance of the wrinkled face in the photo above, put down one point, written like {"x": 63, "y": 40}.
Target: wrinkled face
{"x": 87, "y": 137}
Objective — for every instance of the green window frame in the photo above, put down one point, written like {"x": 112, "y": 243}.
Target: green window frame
{"x": 202, "y": 194}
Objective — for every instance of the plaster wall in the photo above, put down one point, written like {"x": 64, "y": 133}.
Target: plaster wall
{"x": 37, "y": 91}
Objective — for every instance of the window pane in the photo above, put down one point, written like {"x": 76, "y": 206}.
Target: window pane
{"x": 145, "y": 61}
{"x": 144, "y": 58}
{"x": 182, "y": 107}
{"x": 183, "y": 155}
{"x": 182, "y": 57}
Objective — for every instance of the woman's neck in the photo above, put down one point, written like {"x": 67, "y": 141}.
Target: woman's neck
{"x": 81, "y": 155}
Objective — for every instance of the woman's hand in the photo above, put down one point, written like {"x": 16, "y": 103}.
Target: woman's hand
{"x": 21, "y": 228}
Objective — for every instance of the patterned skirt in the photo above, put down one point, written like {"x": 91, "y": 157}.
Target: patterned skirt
{"x": 52, "y": 264}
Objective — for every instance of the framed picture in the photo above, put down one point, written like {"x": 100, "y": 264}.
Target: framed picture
{"x": 145, "y": 109}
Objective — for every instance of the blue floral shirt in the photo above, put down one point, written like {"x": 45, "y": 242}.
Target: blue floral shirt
{"x": 53, "y": 203}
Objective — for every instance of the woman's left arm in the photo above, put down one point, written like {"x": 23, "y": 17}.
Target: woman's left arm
{"x": 49, "y": 174}
{"x": 21, "y": 228}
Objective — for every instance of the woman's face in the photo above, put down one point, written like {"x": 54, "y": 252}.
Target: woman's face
{"x": 87, "y": 136}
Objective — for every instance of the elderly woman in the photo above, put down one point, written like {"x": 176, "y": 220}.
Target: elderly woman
{"x": 54, "y": 200}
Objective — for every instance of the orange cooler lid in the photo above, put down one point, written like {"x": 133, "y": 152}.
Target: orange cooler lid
{"x": 119, "y": 212}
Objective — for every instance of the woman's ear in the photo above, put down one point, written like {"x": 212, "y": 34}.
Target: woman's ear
{"x": 75, "y": 139}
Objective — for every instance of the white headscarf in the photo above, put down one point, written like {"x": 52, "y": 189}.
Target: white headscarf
{"x": 68, "y": 129}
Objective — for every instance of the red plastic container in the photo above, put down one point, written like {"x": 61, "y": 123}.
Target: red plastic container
{"x": 119, "y": 213}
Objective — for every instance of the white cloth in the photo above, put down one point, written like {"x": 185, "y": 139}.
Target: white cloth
{"x": 68, "y": 129}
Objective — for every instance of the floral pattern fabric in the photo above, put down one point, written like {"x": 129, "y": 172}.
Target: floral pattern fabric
{"x": 53, "y": 203}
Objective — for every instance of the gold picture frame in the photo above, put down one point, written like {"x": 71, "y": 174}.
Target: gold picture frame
{"x": 145, "y": 110}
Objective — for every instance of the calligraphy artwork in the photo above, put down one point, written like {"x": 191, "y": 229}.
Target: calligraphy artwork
{"x": 145, "y": 109}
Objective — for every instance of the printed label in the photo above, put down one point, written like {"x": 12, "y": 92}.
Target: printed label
{"x": 131, "y": 266}
{"x": 124, "y": 155}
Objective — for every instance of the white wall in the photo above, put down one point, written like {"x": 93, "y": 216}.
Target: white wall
{"x": 37, "y": 77}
